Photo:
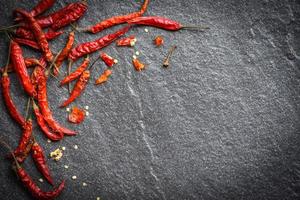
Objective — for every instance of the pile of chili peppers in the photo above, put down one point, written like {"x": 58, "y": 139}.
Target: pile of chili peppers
{"x": 30, "y": 30}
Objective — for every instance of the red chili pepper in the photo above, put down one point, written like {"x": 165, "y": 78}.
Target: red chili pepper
{"x": 25, "y": 139}
{"x": 129, "y": 41}
{"x": 118, "y": 19}
{"x": 108, "y": 60}
{"x": 27, "y": 34}
{"x": 42, "y": 124}
{"x": 45, "y": 109}
{"x": 158, "y": 41}
{"x": 35, "y": 191}
{"x": 103, "y": 77}
{"x": 78, "y": 88}
{"x": 75, "y": 12}
{"x": 20, "y": 68}
{"x": 22, "y": 157}
{"x": 138, "y": 65}
{"x": 40, "y": 161}
{"x": 76, "y": 116}
{"x": 13, "y": 111}
{"x": 90, "y": 47}
{"x": 64, "y": 53}
{"x": 161, "y": 22}
{"x": 29, "y": 62}
{"x": 26, "y": 42}
{"x": 38, "y": 33}
{"x": 74, "y": 75}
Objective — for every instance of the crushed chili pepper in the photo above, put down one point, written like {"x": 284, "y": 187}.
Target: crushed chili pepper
{"x": 20, "y": 68}
{"x": 118, "y": 19}
{"x": 128, "y": 41}
{"x": 74, "y": 75}
{"x": 40, "y": 161}
{"x": 158, "y": 40}
{"x": 103, "y": 77}
{"x": 90, "y": 47}
{"x": 78, "y": 88}
{"x": 76, "y": 116}
{"x": 108, "y": 60}
{"x": 138, "y": 65}
{"x": 163, "y": 23}
{"x": 64, "y": 53}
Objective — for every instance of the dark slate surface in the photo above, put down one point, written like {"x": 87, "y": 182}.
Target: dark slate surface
{"x": 221, "y": 123}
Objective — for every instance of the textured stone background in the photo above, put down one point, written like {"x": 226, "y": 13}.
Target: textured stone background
{"x": 221, "y": 123}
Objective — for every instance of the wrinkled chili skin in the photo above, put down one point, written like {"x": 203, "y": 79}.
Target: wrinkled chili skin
{"x": 108, "y": 60}
{"x": 45, "y": 109}
{"x": 129, "y": 41}
{"x": 107, "y": 23}
{"x": 27, "y": 42}
{"x": 64, "y": 53}
{"x": 22, "y": 157}
{"x": 90, "y": 47}
{"x": 29, "y": 62}
{"x": 41, "y": 7}
{"x": 35, "y": 191}
{"x": 38, "y": 33}
{"x": 156, "y": 21}
{"x": 41, "y": 122}
{"x": 78, "y": 88}
{"x": 40, "y": 161}
{"x": 75, "y": 12}
{"x": 20, "y": 68}
{"x": 27, "y": 34}
{"x": 74, "y": 75}
{"x": 25, "y": 138}
{"x": 12, "y": 109}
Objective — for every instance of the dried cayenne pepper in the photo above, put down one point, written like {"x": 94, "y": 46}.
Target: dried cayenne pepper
{"x": 108, "y": 60}
{"x": 77, "y": 115}
{"x": 103, "y": 77}
{"x": 128, "y": 41}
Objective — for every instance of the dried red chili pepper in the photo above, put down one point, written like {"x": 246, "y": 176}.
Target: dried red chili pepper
{"x": 45, "y": 109}
{"x": 64, "y": 53}
{"x": 35, "y": 191}
{"x": 158, "y": 41}
{"x": 40, "y": 161}
{"x": 138, "y": 65}
{"x": 22, "y": 157}
{"x": 76, "y": 116}
{"x": 26, "y": 42}
{"x": 117, "y": 19}
{"x": 38, "y": 33}
{"x": 42, "y": 124}
{"x": 27, "y": 34}
{"x": 90, "y": 47}
{"x": 103, "y": 77}
{"x": 128, "y": 41}
{"x": 29, "y": 62}
{"x": 78, "y": 88}
{"x": 25, "y": 139}
{"x": 75, "y": 12}
{"x": 13, "y": 111}
{"x": 163, "y": 23}
{"x": 20, "y": 68}
{"x": 108, "y": 60}
{"x": 74, "y": 75}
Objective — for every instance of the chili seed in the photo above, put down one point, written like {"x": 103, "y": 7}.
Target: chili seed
{"x": 146, "y": 30}
{"x": 74, "y": 177}
{"x": 41, "y": 180}
{"x": 66, "y": 167}
{"x": 75, "y": 146}
{"x": 137, "y": 53}
{"x": 84, "y": 184}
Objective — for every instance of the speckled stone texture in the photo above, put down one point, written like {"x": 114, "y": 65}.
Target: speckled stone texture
{"x": 221, "y": 123}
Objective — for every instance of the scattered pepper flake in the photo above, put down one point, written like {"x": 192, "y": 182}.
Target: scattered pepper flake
{"x": 76, "y": 116}
{"x": 103, "y": 77}
{"x": 159, "y": 40}
{"x": 56, "y": 154}
{"x": 128, "y": 41}
{"x": 138, "y": 65}
{"x": 108, "y": 60}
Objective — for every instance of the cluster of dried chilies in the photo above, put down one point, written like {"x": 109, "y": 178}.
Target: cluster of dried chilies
{"x": 29, "y": 30}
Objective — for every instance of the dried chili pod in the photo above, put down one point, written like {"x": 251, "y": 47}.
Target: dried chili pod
{"x": 128, "y": 41}
{"x": 108, "y": 60}
{"x": 25, "y": 139}
{"x": 103, "y": 77}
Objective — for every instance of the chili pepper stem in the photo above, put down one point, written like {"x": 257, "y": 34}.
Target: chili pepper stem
{"x": 27, "y": 107}
{"x": 166, "y": 62}
{"x": 195, "y": 27}
{"x": 8, "y": 58}
{"x": 9, "y": 27}
{"x": 10, "y": 151}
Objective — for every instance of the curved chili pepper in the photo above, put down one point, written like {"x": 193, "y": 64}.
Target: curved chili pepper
{"x": 22, "y": 157}
{"x": 40, "y": 161}
{"x": 13, "y": 111}
{"x": 20, "y": 68}
{"x": 108, "y": 60}
{"x": 118, "y": 19}
{"x": 161, "y": 22}
{"x": 77, "y": 72}
{"x": 29, "y": 62}
{"x": 90, "y": 47}
{"x": 129, "y": 41}
{"x": 26, "y": 42}
{"x": 38, "y": 33}
{"x": 75, "y": 12}
{"x": 25, "y": 139}
{"x": 41, "y": 122}
{"x": 64, "y": 53}
{"x": 45, "y": 109}
{"x": 27, "y": 34}
{"x": 78, "y": 88}
{"x": 103, "y": 77}
{"x": 35, "y": 191}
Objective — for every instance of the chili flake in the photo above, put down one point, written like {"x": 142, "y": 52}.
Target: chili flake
{"x": 103, "y": 77}
{"x": 109, "y": 61}
{"x": 76, "y": 116}
{"x": 159, "y": 40}
{"x": 138, "y": 65}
